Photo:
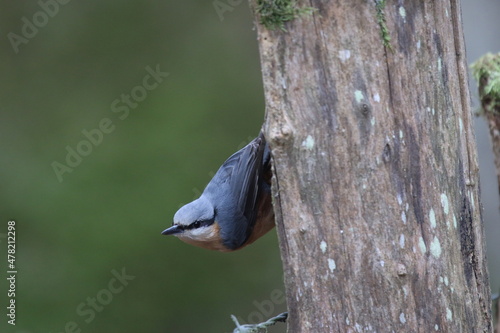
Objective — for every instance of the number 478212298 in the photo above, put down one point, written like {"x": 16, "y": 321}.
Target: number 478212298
{"x": 11, "y": 244}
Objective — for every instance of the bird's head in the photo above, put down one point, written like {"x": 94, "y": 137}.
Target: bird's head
{"x": 195, "y": 224}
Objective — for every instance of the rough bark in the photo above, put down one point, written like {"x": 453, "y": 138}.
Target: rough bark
{"x": 376, "y": 187}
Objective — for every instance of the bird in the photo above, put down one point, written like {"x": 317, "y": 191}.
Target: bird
{"x": 235, "y": 208}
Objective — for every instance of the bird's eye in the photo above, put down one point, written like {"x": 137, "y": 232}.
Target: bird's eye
{"x": 199, "y": 224}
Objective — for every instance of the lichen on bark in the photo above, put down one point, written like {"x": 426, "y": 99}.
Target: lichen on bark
{"x": 275, "y": 13}
{"x": 382, "y": 23}
{"x": 486, "y": 71}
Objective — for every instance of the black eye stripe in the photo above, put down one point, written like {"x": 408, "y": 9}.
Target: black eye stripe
{"x": 198, "y": 224}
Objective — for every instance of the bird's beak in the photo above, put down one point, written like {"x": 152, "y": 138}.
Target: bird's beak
{"x": 175, "y": 229}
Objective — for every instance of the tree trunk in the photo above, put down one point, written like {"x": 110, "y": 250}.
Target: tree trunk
{"x": 376, "y": 185}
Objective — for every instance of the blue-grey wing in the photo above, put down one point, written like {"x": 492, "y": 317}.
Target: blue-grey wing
{"x": 238, "y": 183}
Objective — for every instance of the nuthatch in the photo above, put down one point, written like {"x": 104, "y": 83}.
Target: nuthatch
{"x": 235, "y": 209}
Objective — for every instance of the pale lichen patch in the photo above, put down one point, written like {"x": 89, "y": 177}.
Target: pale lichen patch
{"x": 402, "y": 318}
{"x": 422, "y": 246}
{"x": 344, "y": 55}
{"x": 444, "y": 203}
{"x": 308, "y": 143}
{"x": 331, "y": 265}
{"x": 359, "y": 96}
{"x": 405, "y": 291}
{"x": 400, "y": 199}
{"x": 323, "y": 246}
{"x": 432, "y": 218}
{"x": 449, "y": 314}
{"x": 402, "y": 12}
{"x": 435, "y": 247}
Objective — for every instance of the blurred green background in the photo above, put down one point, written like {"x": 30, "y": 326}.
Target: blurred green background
{"x": 109, "y": 211}
{"x": 107, "y": 214}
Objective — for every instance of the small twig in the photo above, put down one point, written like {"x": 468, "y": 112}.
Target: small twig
{"x": 495, "y": 298}
{"x": 486, "y": 70}
{"x": 258, "y": 328}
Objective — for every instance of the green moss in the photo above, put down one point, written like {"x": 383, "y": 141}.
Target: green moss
{"x": 486, "y": 71}
{"x": 382, "y": 23}
{"x": 274, "y": 13}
